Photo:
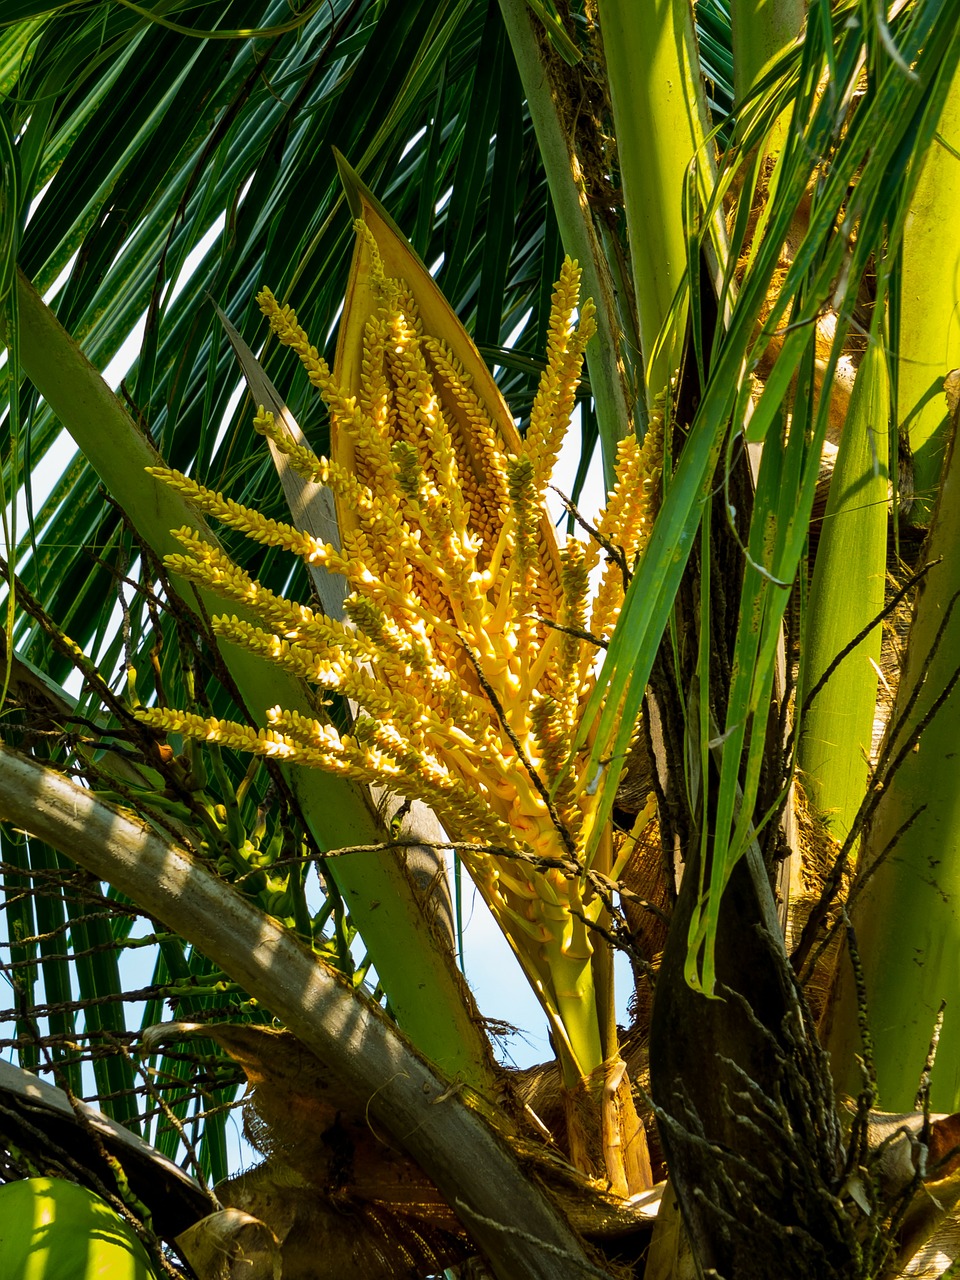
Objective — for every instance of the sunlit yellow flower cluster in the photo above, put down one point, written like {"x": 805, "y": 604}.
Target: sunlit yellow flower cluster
{"x": 468, "y": 640}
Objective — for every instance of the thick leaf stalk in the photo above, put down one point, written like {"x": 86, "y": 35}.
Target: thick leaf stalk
{"x": 836, "y": 731}
{"x": 660, "y": 115}
{"x": 762, "y": 31}
{"x": 928, "y": 341}
{"x": 907, "y": 917}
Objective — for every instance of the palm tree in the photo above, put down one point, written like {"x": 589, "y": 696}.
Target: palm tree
{"x": 760, "y": 204}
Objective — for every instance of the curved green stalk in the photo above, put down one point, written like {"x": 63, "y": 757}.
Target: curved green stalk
{"x": 416, "y": 969}
{"x": 660, "y": 115}
{"x": 607, "y": 358}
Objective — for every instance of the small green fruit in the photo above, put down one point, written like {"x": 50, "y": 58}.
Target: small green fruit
{"x": 55, "y": 1230}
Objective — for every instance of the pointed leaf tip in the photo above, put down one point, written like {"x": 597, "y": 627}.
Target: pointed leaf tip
{"x": 353, "y": 188}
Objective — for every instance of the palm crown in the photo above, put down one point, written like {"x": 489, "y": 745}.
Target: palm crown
{"x": 763, "y": 286}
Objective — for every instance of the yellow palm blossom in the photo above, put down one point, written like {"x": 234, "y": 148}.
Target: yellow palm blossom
{"x": 467, "y": 647}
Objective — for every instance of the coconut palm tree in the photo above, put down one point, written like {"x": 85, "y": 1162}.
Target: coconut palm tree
{"x": 759, "y": 199}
